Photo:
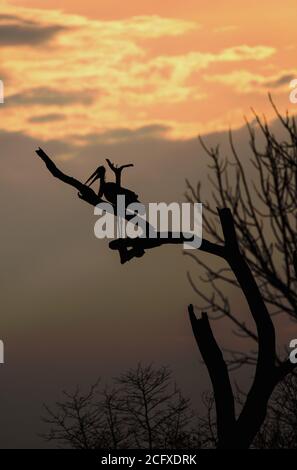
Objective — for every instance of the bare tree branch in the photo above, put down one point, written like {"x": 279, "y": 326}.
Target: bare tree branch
{"x": 118, "y": 170}
{"x": 218, "y": 372}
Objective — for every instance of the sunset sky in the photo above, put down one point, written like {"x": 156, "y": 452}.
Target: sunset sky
{"x": 174, "y": 68}
{"x": 135, "y": 81}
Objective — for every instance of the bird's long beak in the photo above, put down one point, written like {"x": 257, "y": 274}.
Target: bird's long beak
{"x": 92, "y": 178}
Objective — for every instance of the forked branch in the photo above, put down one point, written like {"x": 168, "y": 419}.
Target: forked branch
{"x": 118, "y": 170}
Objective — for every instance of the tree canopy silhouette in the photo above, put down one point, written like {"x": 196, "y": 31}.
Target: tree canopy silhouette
{"x": 143, "y": 409}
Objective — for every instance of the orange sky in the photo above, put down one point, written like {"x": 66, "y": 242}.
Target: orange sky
{"x": 182, "y": 67}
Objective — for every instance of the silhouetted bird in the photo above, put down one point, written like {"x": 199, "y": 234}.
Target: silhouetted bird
{"x": 110, "y": 190}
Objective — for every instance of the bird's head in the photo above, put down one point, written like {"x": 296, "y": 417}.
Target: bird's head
{"x": 98, "y": 173}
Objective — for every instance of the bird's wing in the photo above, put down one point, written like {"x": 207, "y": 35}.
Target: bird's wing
{"x": 129, "y": 194}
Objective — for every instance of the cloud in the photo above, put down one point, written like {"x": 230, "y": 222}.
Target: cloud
{"x": 139, "y": 83}
{"x": 244, "y": 52}
{"x": 280, "y": 81}
{"x": 15, "y": 30}
{"x": 243, "y": 81}
{"x": 47, "y": 118}
{"x": 126, "y": 134}
{"x": 49, "y": 97}
{"x": 4, "y": 17}
{"x": 152, "y": 26}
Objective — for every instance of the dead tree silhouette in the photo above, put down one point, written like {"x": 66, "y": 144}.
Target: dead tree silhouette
{"x": 232, "y": 431}
{"x": 264, "y": 212}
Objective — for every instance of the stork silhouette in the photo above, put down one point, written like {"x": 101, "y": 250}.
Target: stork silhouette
{"x": 111, "y": 190}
